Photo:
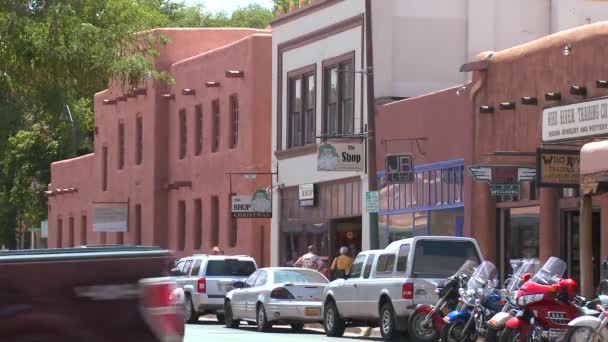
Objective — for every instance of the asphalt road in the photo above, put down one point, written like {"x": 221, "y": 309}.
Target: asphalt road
{"x": 208, "y": 330}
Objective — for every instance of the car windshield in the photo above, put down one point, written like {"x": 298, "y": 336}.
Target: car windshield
{"x": 442, "y": 258}
{"x": 299, "y": 276}
{"x": 230, "y": 267}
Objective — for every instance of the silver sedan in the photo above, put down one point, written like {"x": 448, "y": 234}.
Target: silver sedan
{"x": 277, "y": 295}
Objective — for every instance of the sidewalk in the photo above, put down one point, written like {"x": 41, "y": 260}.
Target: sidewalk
{"x": 350, "y": 332}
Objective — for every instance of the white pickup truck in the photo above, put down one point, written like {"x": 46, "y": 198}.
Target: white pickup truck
{"x": 384, "y": 287}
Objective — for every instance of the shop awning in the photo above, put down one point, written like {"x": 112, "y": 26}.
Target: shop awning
{"x": 594, "y": 167}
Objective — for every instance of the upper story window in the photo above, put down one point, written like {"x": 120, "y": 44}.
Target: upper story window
{"x": 121, "y": 145}
{"x": 104, "y": 169}
{"x": 234, "y": 120}
{"x": 301, "y": 126}
{"x": 215, "y": 108}
{"x": 139, "y": 136}
{"x": 183, "y": 138}
{"x": 339, "y": 91}
{"x": 198, "y": 119}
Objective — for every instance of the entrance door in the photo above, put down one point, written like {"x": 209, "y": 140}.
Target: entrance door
{"x": 571, "y": 246}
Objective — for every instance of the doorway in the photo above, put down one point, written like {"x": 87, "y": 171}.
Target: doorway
{"x": 570, "y": 244}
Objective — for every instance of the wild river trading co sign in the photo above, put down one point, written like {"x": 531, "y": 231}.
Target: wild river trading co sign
{"x": 575, "y": 121}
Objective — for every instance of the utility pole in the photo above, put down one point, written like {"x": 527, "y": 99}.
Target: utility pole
{"x": 371, "y": 122}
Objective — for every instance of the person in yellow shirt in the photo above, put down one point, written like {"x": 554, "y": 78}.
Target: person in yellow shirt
{"x": 341, "y": 264}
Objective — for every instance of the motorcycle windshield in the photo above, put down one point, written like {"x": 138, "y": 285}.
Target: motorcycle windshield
{"x": 521, "y": 267}
{"x": 485, "y": 274}
{"x": 552, "y": 271}
{"x": 466, "y": 269}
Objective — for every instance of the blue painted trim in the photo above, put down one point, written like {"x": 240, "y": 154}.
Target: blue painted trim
{"x": 432, "y": 166}
{"x": 414, "y": 210}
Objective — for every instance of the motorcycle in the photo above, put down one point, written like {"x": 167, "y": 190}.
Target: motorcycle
{"x": 522, "y": 271}
{"x": 546, "y": 304}
{"x": 480, "y": 301}
{"x": 426, "y": 322}
{"x": 590, "y": 327}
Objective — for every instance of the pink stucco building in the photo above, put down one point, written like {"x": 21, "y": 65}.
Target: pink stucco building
{"x": 165, "y": 153}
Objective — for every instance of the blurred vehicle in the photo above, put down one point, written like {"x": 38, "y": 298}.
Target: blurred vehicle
{"x": 92, "y": 294}
{"x": 206, "y": 279}
{"x": 277, "y": 295}
{"x": 383, "y": 289}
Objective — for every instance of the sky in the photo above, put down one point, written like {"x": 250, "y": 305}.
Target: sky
{"x": 228, "y": 5}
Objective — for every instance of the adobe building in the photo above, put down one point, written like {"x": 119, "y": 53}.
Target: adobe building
{"x": 159, "y": 171}
{"x": 535, "y": 106}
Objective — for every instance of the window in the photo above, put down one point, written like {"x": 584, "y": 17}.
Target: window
{"x": 339, "y": 90}
{"x": 196, "y": 268}
{"x": 356, "y": 267}
{"x": 233, "y": 224}
{"x": 215, "y": 108}
{"x": 120, "y": 238}
{"x": 441, "y": 259}
{"x": 83, "y": 230}
{"x": 121, "y": 145}
{"x": 59, "y": 233}
{"x": 139, "y": 136}
{"x": 261, "y": 279}
{"x": 187, "y": 267}
{"x": 198, "y": 118}
{"x": 404, "y": 251}
{"x": 368, "y": 266}
{"x": 104, "y": 169}
{"x": 138, "y": 237}
{"x": 103, "y": 238}
{"x": 181, "y": 225}
{"x": 198, "y": 223}
{"x": 386, "y": 264}
{"x": 252, "y": 278}
{"x": 298, "y": 276}
{"x": 180, "y": 265}
{"x": 183, "y": 138}
{"x": 230, "y": 267}
{"x": 234, "y": 120}
{"x": 215, "y": 220}
{"x": 301, "y": 114}
{"x": 71, "y": 233}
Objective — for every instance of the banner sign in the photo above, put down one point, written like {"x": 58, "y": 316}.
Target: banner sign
{"x": 110, "y": 217}
{"x": 575, "y": 121}
{"x": 399, "y": 168}
{"x": 44, "y": 229}
{"x": 257, "y": 205}
{"x": 558, "y": 167}
{"x": 307, "y": 195}
{"x": 503, "y": 179}
{"x": 341, "y": 157}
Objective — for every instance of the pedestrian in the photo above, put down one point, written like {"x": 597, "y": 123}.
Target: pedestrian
{"x": 341, "y": 264}
{"x": 310, "y": 260}
{"x": 216, "y": 251}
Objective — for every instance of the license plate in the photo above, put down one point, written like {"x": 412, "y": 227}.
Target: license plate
{"x": 312, "y": 312}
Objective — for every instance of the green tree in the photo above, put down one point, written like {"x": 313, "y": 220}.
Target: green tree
{"x": 254, "y": 16}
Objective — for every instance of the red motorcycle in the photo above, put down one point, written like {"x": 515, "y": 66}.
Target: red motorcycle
{"x": 546, "y": 306}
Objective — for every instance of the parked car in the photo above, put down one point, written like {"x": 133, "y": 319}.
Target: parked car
{"x": 277, "y": 295}
{"x": 109, "y": 293}
{"x": 384, "y": 287}
{"x": 206, "y": 279}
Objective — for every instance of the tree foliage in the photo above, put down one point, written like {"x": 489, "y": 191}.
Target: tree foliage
{"x": 58, "y": 52}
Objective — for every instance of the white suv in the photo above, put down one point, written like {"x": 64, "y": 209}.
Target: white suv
{"x": 206, "y": 279}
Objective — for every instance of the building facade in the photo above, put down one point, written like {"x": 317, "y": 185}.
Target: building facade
{"x": 163, "y": 156}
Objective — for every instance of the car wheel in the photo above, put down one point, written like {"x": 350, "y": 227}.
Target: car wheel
{"x": 220, "y": 318}
{"x": 262, "y": 321}
{"x": 190, "y": 315}
{"x": 332, "y": 323}
{"x": 297, "y": 327}
{"x": 229, "y": 317}
{"x": 387, "y": 322}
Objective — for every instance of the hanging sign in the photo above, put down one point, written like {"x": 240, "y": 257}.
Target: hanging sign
{"x": 575, "y": 121}
{"x": 399, "y": 168}
{"x": 307, "y": 195}
{"x": 341, "y": 157}
{"x": 503, "y": 179}
{"x": 257, "y": 205}
{"x": 559, "y": 168}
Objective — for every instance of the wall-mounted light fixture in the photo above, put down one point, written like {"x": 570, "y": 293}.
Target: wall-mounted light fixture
{"x": 109, "y": 101}
{"x": 168, "y": 96}
{"x": 188, "y": 91}
{"x": 212, "y": 84}
{"x": 567, "y": 50}
{"x": 578, "y": 90}
{"x": 553, "y": 96}
{"x": 601, "y": 84}
{"x": 486, "y": 109}
{"x": 507, "y": 106}
{"x": 235, "y": 73}
{"x": 529, "y": 100}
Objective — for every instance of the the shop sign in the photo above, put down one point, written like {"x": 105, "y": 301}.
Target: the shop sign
{"x": 503, "y": 179}
{"x": 341, "y": 157}
{"x": 307, "y": 195}
{"x": 559, "y": 168}
{"x": 399, "y": 168}
{"x": 575, "y": 121}
{"x": 256, "y": 205}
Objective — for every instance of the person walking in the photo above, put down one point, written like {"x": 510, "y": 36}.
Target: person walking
{"x": 341, "y": 264}
{"x": 310, "y": 260}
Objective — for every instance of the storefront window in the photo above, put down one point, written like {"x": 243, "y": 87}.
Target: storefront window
{"x": 420, "y": 223}
{"x": 382, "y": 231}
{"x": 401, "y": 226}
{"x": 445, "y": 222}
{"x": 522, "y": 232}
{"x": 296, "y": 239}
